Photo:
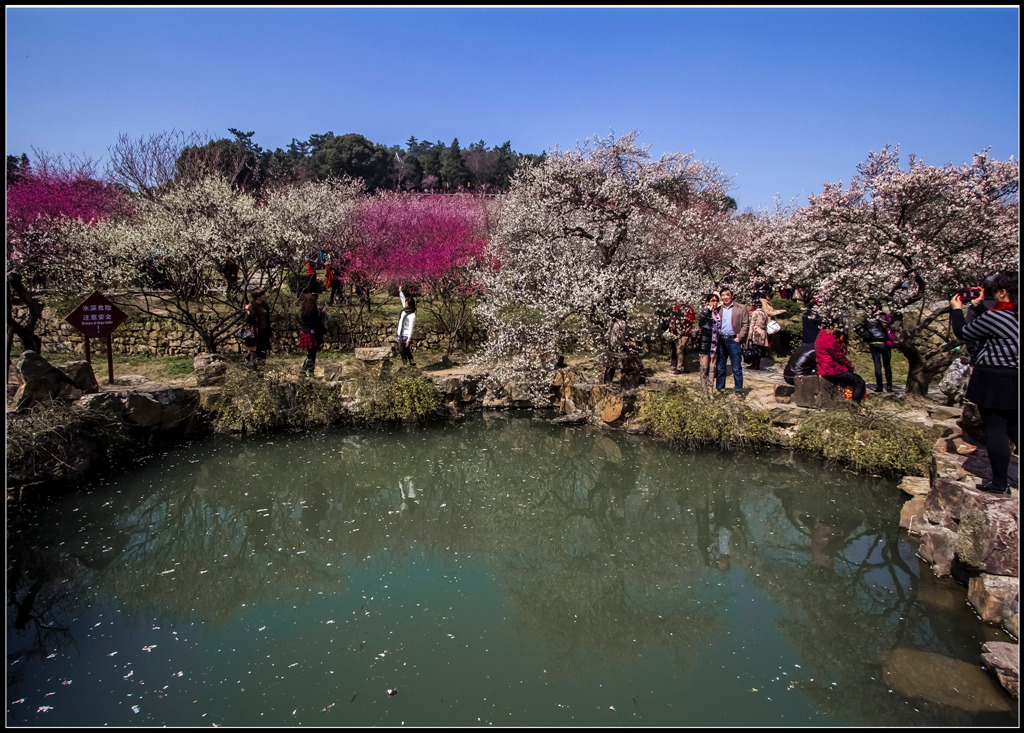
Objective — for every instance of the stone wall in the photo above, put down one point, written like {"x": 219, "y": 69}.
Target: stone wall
{"x": 155, "y": 336}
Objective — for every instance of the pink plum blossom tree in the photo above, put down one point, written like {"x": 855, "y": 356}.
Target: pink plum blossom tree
{"x": 41, "y": 204}
{"x": 904, "y": 238}
{"x": 430, "y": 244}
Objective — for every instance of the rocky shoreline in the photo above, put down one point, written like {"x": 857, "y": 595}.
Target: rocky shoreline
{"x": 962, "y": 532}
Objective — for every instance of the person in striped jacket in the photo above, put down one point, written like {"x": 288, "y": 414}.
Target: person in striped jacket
{"x": 993, "y": 385}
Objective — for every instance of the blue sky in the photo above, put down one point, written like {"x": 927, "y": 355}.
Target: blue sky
{"x": 782, "y": 99}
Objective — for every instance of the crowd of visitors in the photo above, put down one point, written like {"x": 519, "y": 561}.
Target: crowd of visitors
{"x": 725, "y": 333}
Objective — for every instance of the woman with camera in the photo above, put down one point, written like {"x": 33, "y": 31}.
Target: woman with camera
{"x": 993, "y": 385}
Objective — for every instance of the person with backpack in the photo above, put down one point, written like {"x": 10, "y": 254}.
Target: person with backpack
{"x": 312, "y": 329}
{"x": 875, "y": 331}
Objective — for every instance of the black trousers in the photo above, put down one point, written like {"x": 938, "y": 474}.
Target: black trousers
{"x": 881, "y": 355}
{"x": 852, "y": 380}
{"x": 1000, "y": 430}
{"x": 403, "y": 347}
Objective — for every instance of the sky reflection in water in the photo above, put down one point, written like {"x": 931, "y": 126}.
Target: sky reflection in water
{"x": 501, "y": 571}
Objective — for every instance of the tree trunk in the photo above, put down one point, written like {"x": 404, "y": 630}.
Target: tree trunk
{"x": 917, "y": 380}
{"x": 25, "y": 331}
{"x": 924, "y": 367}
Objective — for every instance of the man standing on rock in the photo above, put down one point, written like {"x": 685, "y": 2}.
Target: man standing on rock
{"x": 734, "y": 331}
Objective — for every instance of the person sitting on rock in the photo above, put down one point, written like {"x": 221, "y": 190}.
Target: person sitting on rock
{"x": 832, "y": 362}
{"x": 801, "y": 364}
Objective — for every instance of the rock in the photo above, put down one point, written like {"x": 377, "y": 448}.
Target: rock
{"x": 943, "y": 680}
{"x": 454, "y": 359}
{"x": 970, "y": 422}
{"x": 142, "y": 410}
{"x": 995, "y": 597}
{"x": 578, "y": 417}
{"x": 130, "y": 380}
{"x": 102, "y": 402}
{"x": 375, "y": 353}
{"x": 43, "y": 382}
{"x": 376, "y": 360}
{"x": 937, "y": 548}
{"x": 912, "y": 515}
{"x": 948, "y": 501}
{"x": 82, "y": 376}
{"x": 33, "y": 367}
{"x": 817, "y": 392}
{"x": 209, "y": 369}
{"x": 915, "y": 485}
{"x": 988, "y": 535}
{"x": 611, "y": 408}
{"x": 1004, "y": 659}
{"x": 784, "y": 393}
{"x": 941, "y": 412}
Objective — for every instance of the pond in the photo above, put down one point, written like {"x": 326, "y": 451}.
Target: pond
{"x": 500, "y": 571}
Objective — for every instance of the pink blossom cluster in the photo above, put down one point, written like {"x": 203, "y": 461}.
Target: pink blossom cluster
{"x": 430, "y": 242}
{"x": 39, "y": 203}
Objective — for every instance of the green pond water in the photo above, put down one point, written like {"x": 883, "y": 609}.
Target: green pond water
{"x": 499, "y": 571}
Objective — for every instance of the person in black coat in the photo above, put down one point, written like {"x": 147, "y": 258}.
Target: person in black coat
{"x": 801, "y": 364}
{"x": 875, "y": 331}
{"x": 811, "y": 325}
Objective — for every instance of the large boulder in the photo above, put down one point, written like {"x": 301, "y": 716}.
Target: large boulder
{"x": 816, "y": 392}
{"x": 944, "y": 680}
{"x": 988, "y": 536}
{"x": 996, "y": 598}
{"x": 42, "y": 382}
{"x": 937, "y": 548}
{"x": 209, "y": 369}
{"x": 82, "y": 376}
{"x": 1004, "y": 659}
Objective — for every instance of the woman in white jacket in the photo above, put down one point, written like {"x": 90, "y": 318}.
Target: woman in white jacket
{"x": 406, "y": 321}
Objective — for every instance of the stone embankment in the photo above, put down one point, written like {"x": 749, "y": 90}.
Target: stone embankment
{"x": 962, "y": 532}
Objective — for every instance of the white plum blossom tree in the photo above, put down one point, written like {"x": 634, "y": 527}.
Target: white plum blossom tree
{"x": 905, "y": 239}
{"x": 593, "y": 232}
{"x": 167, "y": 257}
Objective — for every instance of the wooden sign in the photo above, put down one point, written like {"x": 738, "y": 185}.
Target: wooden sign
{"x": 97, "y": 317}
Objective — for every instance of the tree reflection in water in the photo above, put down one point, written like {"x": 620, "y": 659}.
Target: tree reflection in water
{"x": 607, "y": 548}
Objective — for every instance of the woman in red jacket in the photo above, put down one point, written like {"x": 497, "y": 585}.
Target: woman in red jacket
{"x": 832, "y": 363}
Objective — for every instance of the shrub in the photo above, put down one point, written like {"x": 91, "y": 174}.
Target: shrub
{"x": 53, "y": 440}
{"x": 405, "y": 395}
{"x": 872, "y": 441}
{"x": 258, "y": 400}
{"x": 694, "y": 418}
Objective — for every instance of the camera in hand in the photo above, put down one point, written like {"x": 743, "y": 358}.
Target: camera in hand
{"x": 969, "y": 293}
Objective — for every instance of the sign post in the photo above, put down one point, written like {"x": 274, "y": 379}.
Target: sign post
{"x": 97, "y": 317}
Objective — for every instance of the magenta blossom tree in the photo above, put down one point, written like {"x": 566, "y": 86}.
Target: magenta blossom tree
{"x": 430, "y": 245}
{"x": 40, "y": 206}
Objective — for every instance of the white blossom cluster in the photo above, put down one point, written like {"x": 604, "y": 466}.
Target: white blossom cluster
{"x": 595, "y": 231}
{"x": 187, "y": 230}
